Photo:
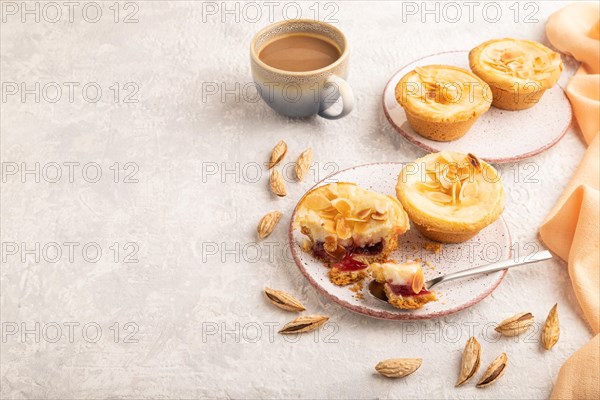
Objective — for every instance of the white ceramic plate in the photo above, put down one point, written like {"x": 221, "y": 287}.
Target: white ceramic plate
{"x": 490, "y": 245}
{"x": 498, "y": 135}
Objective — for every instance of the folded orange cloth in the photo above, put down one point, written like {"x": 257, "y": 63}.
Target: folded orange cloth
{"x": 575, "y": 30}
{"x": 571, "y": 230}
{"x": 578, "y": 378}
{"x": 584, "y": 93}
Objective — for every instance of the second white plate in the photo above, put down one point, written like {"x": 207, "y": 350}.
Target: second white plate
{"x": 498, "y": 135}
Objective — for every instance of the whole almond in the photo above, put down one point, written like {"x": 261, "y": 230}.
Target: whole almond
{"x": 470, "y": 361}
{"x": 515, "y": 325}
{"x": 268, "y": 223}
{"x": 551, "y": 330}
{"x": 276, "y": 183}
{"x": 305, "y": 323}
{"x": 303, "y": 163}
{"x": 284, "y": 300}
{"x": 398, "y": 367}
{"x": 494, "y": 371}
{"x": 279, "y": 151}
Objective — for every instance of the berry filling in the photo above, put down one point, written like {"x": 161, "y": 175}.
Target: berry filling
{"x": 369, "y": 250}
{"x": 319, "y": 251}
{"x": 349, "y": 264}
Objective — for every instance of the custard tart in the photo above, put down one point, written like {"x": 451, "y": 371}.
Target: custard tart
{"x": 442, "y": 102}
{"x": 348, "y": 226}
{"x": 403, "y": 284}
{"x": 450, "y": 196}
{"x": 518, "y": 71}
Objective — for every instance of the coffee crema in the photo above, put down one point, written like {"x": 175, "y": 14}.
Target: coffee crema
{"x": 299, "y": 52}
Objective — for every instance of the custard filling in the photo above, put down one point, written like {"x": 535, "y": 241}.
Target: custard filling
{"x": 405, "y": 279}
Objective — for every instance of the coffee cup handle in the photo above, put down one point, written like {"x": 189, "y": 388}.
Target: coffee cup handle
{"x": 345, "y": 92}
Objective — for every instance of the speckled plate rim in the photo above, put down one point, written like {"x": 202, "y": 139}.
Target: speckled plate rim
{"x": 430, "y": 149}
{"x": 381, "y": 314}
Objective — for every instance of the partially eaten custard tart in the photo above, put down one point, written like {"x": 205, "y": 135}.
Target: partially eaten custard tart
{"x": 348, "y": 226}
{"x": 450, "y": 196}
{"x": 518, "y": 71}
{"x": 403, "y": 284}
{"x": 442, "y": 102}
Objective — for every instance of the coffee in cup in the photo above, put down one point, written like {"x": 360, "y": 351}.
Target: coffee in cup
{"x": 300, "y": 67}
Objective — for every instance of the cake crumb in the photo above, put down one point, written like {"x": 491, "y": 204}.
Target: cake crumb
{"x": 428, "y": 264}
{"x": 433, "y": 246}
{"x": 357, "y": 289}
{"x": 344, "y": 278}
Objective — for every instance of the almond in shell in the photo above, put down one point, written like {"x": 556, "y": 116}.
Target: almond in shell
{"x": 303, "y": 163}
{"x": 276, "y": 183}
{"x": 279, "y": 151}
{"x": 515, "y": 325}
{"x": 268, "y": 223}
{"x": 551, "y": 330}
{"x": 398, "y": 367}
{"x": 305, "y": 323}
{"x": 284, "y": 300}
{"x": 494, "y": 371}
{"x": 470, "y": 361}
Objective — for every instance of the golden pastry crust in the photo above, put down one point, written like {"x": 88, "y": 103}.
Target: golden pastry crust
{"x": 392, "y": 244}
{"x": 343, "y": 278}
{"x": 448, "y": 198}
{"x": 440, "y": 131}
{"x": 408, "y": 302}
{"x": 518, "y": 71}
{"x": 442, "y": 102}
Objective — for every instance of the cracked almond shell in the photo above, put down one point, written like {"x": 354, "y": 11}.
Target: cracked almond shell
{"x": 305, "y": 323}
{"x": 284, "y": 300}
{"x": 470, "y": 361}
{"x": 551, "y": 330}
{"x": 494, "y": 371}
{"x": 515, "y": 325}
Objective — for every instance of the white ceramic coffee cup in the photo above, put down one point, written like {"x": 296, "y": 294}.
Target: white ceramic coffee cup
{"x": 304, "y": 93}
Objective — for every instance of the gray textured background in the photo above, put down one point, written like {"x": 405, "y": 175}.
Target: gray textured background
{"x": 195, "y": 292}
